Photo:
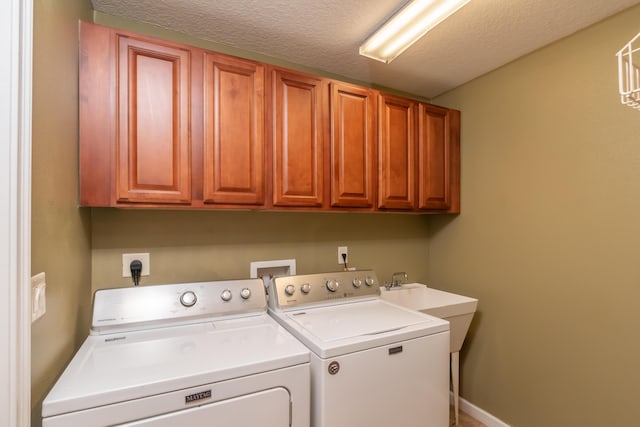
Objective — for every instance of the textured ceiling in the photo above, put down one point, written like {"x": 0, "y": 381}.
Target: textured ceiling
{"x": 326, "y": 34}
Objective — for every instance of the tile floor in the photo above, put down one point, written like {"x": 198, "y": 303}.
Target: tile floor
{"x": 465, "y": 420}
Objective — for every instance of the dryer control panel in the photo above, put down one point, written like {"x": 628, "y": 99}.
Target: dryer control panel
{"x": 134, "y": 308}
{"x": 322, "y": 288}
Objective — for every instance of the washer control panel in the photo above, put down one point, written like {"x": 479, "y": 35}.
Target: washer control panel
{"x": 293, "y": 291}
{"x": 133, "y": 307}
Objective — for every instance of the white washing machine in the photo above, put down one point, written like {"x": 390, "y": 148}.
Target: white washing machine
{"x": 196, "y": 354}
{"x": 373, "y": 363}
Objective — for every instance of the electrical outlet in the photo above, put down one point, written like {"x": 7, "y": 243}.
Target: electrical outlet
{"x": 126, "y": 264}
{"x": 343, "y": 250}
{"x": 38, "y": 300}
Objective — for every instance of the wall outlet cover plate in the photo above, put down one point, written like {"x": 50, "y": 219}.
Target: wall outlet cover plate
{"x": 143, "y": 257}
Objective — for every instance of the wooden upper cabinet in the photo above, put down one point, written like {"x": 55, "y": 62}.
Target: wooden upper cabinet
{"x": 297, "y": 138}
{"x": 96, "y": 116}
{"x": 396, "y": 153}
{"x": 433, "y": 158}
{"x": 353, "y": 143}
{"x": 153, "y": 160}
{"x": 162, "y": 124}
{"x": 234, "y": 163}
{"x": 438, "y": 159}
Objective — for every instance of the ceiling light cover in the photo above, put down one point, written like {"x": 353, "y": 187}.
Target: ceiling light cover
{"x": 407, "y": 26}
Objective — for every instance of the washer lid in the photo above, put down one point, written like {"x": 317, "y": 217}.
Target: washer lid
{"x": 337, "y": 329}
{"x": 120, "y": 367}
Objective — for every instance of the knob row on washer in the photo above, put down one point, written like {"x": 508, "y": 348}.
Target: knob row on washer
{"x": 334, "y": 285}
{"x": 331, "y": 285}
{"x": 189, "y": 298}
{"x": 226, "y": 295}
{"x": 291, "y": 289}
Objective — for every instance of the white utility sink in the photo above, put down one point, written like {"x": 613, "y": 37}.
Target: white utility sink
{"x": 457, "y": 309}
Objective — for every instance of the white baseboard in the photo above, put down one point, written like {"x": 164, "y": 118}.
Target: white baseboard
{"x": 480, "y": 414}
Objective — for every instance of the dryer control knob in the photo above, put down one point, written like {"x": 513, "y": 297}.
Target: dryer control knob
{"x": 226, "y": 295}
{"x": 357, "y": 282}
{"x": 188, "y": 299}
{"x": 332, "y": 285}
{"x": 289, "y": 289}
{"x": 305, "y": 288}
{"x": 245, "y": 293}
{"x": 370, "y": 281}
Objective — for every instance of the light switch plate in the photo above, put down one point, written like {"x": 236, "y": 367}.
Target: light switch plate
{"x": 38, "y": 296}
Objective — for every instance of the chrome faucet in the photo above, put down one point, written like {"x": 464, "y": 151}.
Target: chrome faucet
{"x": 395, "y": 282}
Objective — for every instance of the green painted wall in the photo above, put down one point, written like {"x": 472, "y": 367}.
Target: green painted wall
{"x": 549, "y": 237}
{"x": 195, "y": 246}
{"x": 60, "y": 231}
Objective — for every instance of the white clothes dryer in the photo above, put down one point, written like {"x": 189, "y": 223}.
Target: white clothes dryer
{"x": 373, "y": 363}
{"x": 197, "y": 354}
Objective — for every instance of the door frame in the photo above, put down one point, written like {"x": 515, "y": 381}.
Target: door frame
{"x": 16, "y": 34}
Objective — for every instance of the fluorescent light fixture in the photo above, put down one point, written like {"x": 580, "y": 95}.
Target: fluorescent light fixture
{"x": 407, "y": 26}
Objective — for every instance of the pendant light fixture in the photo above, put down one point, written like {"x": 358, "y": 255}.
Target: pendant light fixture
{"x": 407, "y": 26}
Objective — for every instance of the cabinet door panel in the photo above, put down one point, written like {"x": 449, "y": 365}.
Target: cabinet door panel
{"x": 234, "y": 131}
{"x": 352, "y": 146}
{"x": 297, "y": 140}
{"x": 153, "y": 160}
{"x": 96, "y": 116}
{"x": 434, "y": 158}
{"x": 396, "y": 156}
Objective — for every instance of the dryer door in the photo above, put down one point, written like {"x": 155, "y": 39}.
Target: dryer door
{"x": 269, "y": 408}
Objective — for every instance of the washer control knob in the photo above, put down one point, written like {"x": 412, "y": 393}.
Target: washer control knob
{"x": 356, "y": 282}
{"x": 289, "y": 289}
{"x": 188, "y": 299}
{"x": 370, "y": 281}
{"x": 305, "y": 288}
{"x": 226, "y": 295}
{"x": 332, "y": 285}
{"x": 245, "y": 293}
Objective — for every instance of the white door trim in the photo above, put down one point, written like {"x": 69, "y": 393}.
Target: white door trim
{"x": 16, "y": 32}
